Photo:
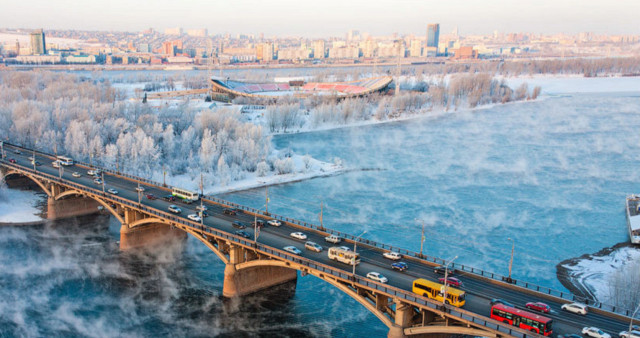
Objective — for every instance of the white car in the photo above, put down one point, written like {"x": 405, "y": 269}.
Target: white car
{"x": 174, "y": 209}
{"x": 140, "y": 189}
{"x": 595, "y": 332}
{"x": 345, "y": 248}
{"x": 274, "y": 222}
{"x": 76, "y": 174}
{"x": 298, "y": 235}
{"x": 333, "y": 239}
{"x": 292, "y": 249}
{"x": 625, "y": 334}
{"x": 378, "y": 277}
{"x": 112, "y": 191}
{"x": 313, "y": 246}
{"x": 392, "y": 255}
{"x": 55, "y": 164}
{"x": 578, "y": 308}
{"x": 194, "y": 217}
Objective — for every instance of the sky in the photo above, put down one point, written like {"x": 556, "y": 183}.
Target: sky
{"x": 323, "y": 18}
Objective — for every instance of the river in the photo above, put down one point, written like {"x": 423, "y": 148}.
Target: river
{"x": 550, "y": 174}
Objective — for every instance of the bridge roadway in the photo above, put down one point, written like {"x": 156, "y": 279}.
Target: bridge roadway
{"x": 479, "y": 290}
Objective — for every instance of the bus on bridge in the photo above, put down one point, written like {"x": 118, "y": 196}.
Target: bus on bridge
{"x": 435, "y": 291}
{"x": 522, "y": 319}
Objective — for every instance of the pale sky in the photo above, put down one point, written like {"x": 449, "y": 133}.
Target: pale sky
{"x": 323, "y": 18}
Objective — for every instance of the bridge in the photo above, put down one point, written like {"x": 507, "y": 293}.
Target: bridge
{"x": 252, "y": 265}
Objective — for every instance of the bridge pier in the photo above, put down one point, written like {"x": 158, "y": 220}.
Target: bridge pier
{"x": 242, "y": 282}
{"x": 148, "y": 235}
{"x": 70, "y": 207}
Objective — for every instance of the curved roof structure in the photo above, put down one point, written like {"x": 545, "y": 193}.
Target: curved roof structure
{"x": 272, "y": 90}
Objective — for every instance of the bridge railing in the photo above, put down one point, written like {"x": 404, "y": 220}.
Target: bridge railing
{"x": 363, "y": 241}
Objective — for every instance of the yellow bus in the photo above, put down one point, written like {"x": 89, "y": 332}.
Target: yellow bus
{"x": 435, "y": 291}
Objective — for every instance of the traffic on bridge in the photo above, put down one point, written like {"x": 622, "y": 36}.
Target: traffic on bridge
{"x": 386, "y": 280}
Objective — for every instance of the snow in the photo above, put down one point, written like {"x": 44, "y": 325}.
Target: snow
{"x": 19, "y": 205}
{"x": 577, "y": 84}
{"x": 252, "y": 180}
{"x": 593, "y": 273}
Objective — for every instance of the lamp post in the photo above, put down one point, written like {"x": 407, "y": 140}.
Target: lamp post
{"x": 422, "y": 238}
{"x": 60, "y": 170}
{"x": 34, "y": 160}
{"x": 2, "y": 149}
{"x": 102, "y": 182}
{"x": 139, "y": 191}
{"x": 513, "y": 244}
{"x": 631, "y": 321}
{"x": 355, "y": 242}
{"x": 446, "y": 284}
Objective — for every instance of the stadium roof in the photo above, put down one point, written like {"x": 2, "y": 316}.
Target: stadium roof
{"x": 273, "y": 90}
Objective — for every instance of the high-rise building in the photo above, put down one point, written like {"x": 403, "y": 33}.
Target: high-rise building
{"x": 202, "y": 32}
{"x": 433, "y": 34}
{"x": 173, "y": 31}
{"x": 353, "y": 35}
{"x": 264, "y": 51}
{"x": 38, "y": 44}
{"x": 318, "y": 49}
{"x": 415, "y": 48}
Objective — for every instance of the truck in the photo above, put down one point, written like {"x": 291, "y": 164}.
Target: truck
{"x": 333, "y": 239}
{"x": 343, "y": 256}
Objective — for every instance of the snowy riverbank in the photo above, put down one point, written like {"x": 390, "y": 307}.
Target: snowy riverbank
{"x": 607, "y": 276}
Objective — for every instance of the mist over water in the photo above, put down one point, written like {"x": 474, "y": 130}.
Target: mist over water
{"x": 550, "y": 174}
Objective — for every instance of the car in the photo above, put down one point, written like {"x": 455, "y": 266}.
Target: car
{"x": 538, "y": 306}
{"x": 151, "y": 197}
{"x": 333, "y": 239}
{"x": 12, "y": 160}
{"x": 298, "y": 235}
{"x": 313, "y": 246}
{"x": 441, "y": 270}
{"x": 97, "y": 181}
{"x": 578, "y": 308}
{"x": 345, "y": 248}
{"x": 169, "y": 198}
{"x": 259, "y": 222}
{"x": 500, "y": 301}
{"x": 292, "y": 249}
{"x": 31, "y": 158}
{"x": 204, "y": 213}
{"x": 140, "y": 189}
{"x": 632, "y": 334}
{"x": 376, "y": 276}
{"x": 392, "y": 255}
{"x": 17, "y": 152}
{"x": 228, "y": 211}
{"x": 202, "y": 207}
{"x": 112, "y": 191}
{"x": 76, "y": 174}
{"x": 36, "y": 163}
{"x": 55, "y": 164}
{"x": 194, "y": 217}
{"x": 238, "y": 225}
{"x": 400, "y": 266}
{"x": 94, "y": 172}
{"x": 595, "y": 332}
{"x": 569, "y": 335}
{"x": 451, "y": 281}
{"x": 174, "y": 209}
{"x": 242, "y": 233}
{"x": 274, "y": 222}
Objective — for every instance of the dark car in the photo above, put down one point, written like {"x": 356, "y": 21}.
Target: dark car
{"x": 260, "y": 223}
{"x": 151, "y": 197}
{"x": 12, "y": 160}
{"x": 569, "y": 335}
{"x": 400, "y": 266}
{"x": 204, "y": 213}
{"x": 441, "y": 270}
{"x": 228, "y": 211}
{"x": 238, "y": 225}
{"x": 243, "y": 233}
{"x": 169, "y": 198}
{"x": 500, "y": 301}
{"x": 542, "y": 307}
{"x": 17, "y": 151}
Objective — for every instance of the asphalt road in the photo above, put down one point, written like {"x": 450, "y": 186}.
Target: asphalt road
{"x": 479, "y": 291}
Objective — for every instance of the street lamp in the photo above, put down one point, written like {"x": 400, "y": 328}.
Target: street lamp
{"x": 446, "y": 284}
{"x": 103, "y": 183}
{"x": 631, "y": 321}
{"x": 513, "y": 244}
{"x": 422, "y": 238}
{"x": 355, "y": 242}
{"x": 60, "y": 170}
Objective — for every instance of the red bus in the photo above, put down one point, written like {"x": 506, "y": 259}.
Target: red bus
{"x": 522, "y": 319}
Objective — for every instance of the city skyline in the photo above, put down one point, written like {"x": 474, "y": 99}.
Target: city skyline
{"x": 290, "y": 18}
